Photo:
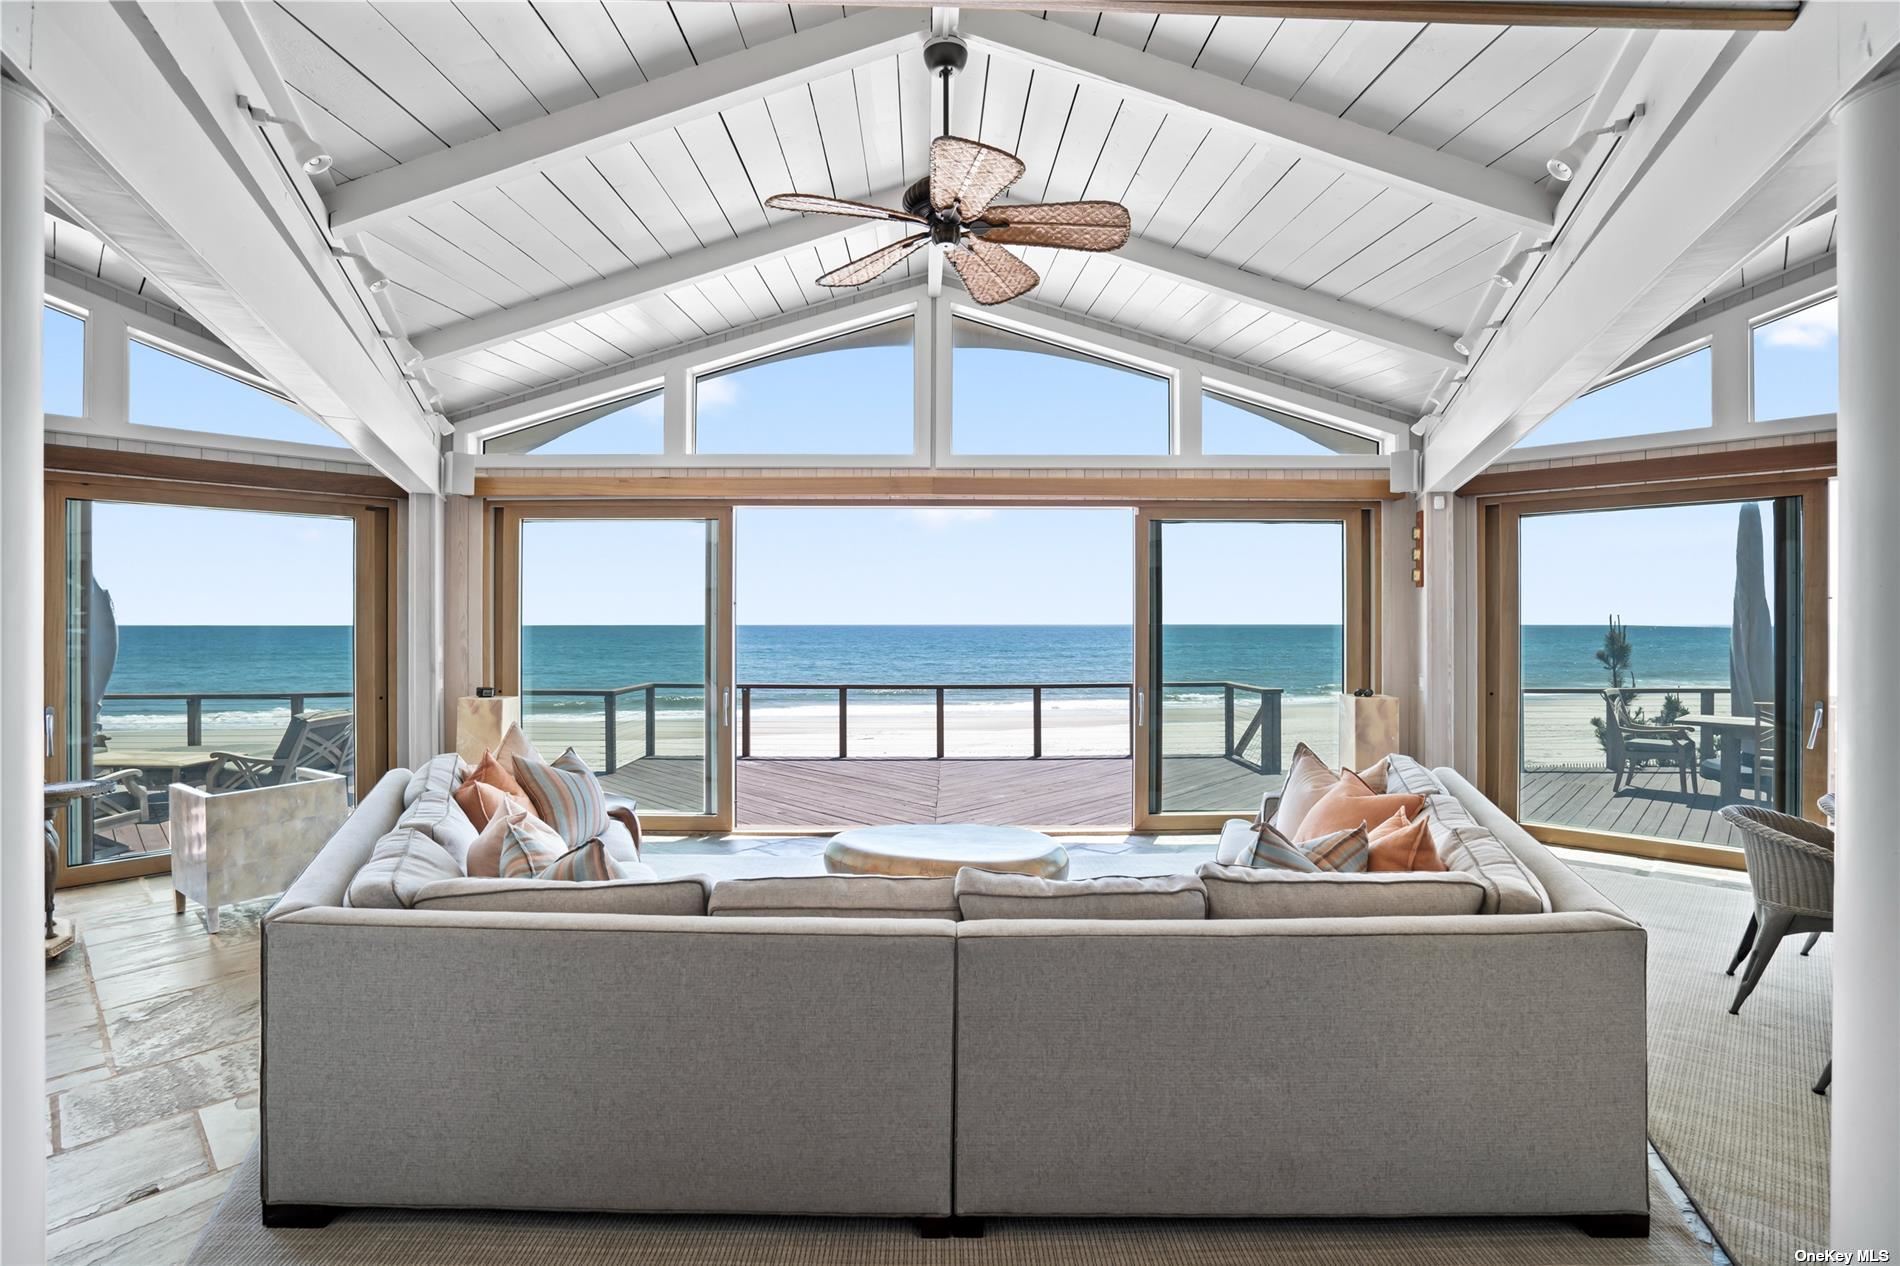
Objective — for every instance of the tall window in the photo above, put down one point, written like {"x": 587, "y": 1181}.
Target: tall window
{"x": 62, "y": 363}
{"x": 1672, "y": 396}
{"x": 1797, "y": 363}
{"x": 627, "y": 424}
{"x": 170, "y": 391}
{"x": 1014, "y": 395}
{"x": 1231, "y": 426}
{"x": 848, "y": 395}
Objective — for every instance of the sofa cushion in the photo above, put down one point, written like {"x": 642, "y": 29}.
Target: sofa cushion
{"x": 988, "y": 894}
{"x": 440, "y": 774}
{"x": 1236, "y": 841}
{"x": 401, "y": 863}
{"x": 566, "y": 796}
{"x": 436, "y": 814}
{"x": 641, "y": 891}
{"x": 837, "y": 897}
{"x": 1402, "y": 773}
{"x": 1241, "y": 892}
{"x": 1471, "y": 849}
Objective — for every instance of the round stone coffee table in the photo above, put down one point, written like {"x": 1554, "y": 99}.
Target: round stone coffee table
{"x": 943, "y": 849}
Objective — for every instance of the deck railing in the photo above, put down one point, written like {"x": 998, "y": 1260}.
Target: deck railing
{"x": 195, "y": 701}
{"x": 1261, "y": 731}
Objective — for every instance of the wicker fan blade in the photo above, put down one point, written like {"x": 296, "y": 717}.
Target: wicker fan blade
{"x": 990, "y": 273}
{"x": 809, "y": 202}
{"x": 870, "y": 267}
{"x": 967, "y": 174}
{"x": 1076, "y": 226}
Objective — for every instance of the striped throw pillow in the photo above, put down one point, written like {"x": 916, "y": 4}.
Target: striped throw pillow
{"x": 590, "y": 863}
{"x": 1347, "y": 851}
{"x": 565, "y": 795}
{"x": 1274, "y": 851}
{"x": 528, "y": 847}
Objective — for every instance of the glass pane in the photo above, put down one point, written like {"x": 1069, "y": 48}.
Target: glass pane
{"x": 1014, "y": 395}
{"x": 1797, "y": 363}
{"x": 622, "y": 673}
{"x": 171, "y": 391}
{"x": 1230, "y": 426}
{"x": 1652, "y": 656}
{"x": 853, "y": 394}
{"x": 62, "y": 364}
{"x": 1245, "y": 668}
{"x": 1672, "y": 396}
{"x": 197, "y": 654}
{"x": 631, "y": 424}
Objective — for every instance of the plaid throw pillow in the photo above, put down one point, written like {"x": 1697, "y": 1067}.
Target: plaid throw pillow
{"x": 1348, "y": 851}
{"x": 1274, "y": 851}
{"x": 528, "y": 847}
{"x": 590, "y": 863}
{"x": 565, "y": 795}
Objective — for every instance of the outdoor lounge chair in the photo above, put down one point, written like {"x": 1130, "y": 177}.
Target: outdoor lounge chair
{"x": 1628, "y": 744}
{"x": 324, "y": 741}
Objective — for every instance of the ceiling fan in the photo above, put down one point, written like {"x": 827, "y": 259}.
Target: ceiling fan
{"x": 955, "y": 205}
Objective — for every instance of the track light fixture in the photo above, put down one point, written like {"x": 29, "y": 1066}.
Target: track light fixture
{"x": 1425, "y": 424}
{"x": 373, "y": 277}
{"x": 1564, "y": 163}
{"x": 1468, "y": 341}
{"x": 405, "y": 352}
{"x": 1513, "y": 271}
{"x": 310, "y": 155}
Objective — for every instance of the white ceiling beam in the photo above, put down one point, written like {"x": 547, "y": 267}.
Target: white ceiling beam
{"x": 1735, "y": 149}
{"x": 634, "y": 284}
{"x": 1228, "y": 282}
{"x": 193, "y": 195}
{"x": 1336, "y": 142}
{"x": 642, "y": 110}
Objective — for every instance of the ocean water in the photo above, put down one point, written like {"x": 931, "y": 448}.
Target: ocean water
{"x": 1300, "y": 659}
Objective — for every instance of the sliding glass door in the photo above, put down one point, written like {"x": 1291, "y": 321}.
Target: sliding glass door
{"x": 615, "y": 632}
{"x": 223, "y": 642}
{"x": 1653, "y": 662}
{"x": 1249, "y": 627}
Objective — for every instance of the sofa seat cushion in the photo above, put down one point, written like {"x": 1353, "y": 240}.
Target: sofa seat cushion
{"x": 836, "y": 897}
{"x": 402, "y": 862}
{"x": 1469, "y": 848}
{"x": 640, "y": 891}
{"x": 988, "y": 894}
{"x": 1242, "y": 892}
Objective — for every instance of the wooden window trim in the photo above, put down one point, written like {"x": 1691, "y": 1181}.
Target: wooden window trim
{"x": 1500, "y": 629}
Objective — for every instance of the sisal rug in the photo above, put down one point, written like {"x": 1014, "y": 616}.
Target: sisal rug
{"x": 377, "y": 1238}
{"x": 1730, "y": 1105}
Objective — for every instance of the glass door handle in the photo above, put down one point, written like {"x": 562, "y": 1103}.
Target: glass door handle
{"x": 1814, "y": 730}
{"x": 725, "y": 705}
{"x": 1141, "y": 707}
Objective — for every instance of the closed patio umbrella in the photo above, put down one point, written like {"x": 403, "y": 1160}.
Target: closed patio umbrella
{"x": 1751, "y": 650}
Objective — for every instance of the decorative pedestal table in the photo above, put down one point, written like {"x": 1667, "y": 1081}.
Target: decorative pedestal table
{"x": 944, "y": 849}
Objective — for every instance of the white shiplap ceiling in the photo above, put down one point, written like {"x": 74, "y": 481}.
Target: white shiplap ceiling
{"x": 382, "y": 85}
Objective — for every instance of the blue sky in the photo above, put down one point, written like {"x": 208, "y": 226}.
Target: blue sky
{"x": 1655, "y": 565}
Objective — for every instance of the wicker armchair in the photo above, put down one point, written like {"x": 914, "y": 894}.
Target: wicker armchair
{"x": 1791, "y": 872}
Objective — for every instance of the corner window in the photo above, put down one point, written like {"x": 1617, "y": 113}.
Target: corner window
{"x": 1672, "y": 396}
{"x": 170, "y": 391}
{"x": 625, "y": 425}
{"x": 1019, "y": 396}
{"x": 1796, "y": 363}
{"x": 1240, "y": 428}
{"x": 62, "y": 363}
{"x": 851, "y": 394}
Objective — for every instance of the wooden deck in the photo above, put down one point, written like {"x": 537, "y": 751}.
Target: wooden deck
{"x": 1654, "y": 806}
{"x": 1020, "y": 792}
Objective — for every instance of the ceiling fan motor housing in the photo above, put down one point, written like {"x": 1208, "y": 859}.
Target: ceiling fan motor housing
{"x": 945, "y": 53}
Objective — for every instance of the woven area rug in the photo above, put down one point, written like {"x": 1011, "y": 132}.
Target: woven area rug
{"x": 1730, "y": 1104}
{"x": 234, "y": 1238}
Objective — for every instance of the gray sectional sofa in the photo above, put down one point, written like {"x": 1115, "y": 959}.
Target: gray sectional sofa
{"x": 852, "y": 1046}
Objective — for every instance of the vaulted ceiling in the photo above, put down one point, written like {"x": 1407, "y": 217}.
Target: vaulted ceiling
{"x": 558, "y": 188}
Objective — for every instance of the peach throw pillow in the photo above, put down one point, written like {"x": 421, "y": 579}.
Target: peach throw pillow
{"x": 1350, "y": 803}
{"x": 497, "y": 774}
{"x": 1403, "y": 842}
{"x": 1308, "y": 779}
{"x": 481, "y": 801}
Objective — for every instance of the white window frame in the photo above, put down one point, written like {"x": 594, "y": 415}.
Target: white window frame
{"x": 1806, "y": 422}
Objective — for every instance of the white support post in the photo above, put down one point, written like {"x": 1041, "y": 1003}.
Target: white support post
{"x": 419, "y": 706}
{"x": 1865, "y": 1165}
{"x": 23, "y": 115}
{"x": 1187, "y": 411}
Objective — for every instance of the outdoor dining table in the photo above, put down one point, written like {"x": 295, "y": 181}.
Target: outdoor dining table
{"x": 1729, "y": 732}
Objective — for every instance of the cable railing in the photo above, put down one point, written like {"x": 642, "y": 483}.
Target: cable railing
{"x": 195, "y": 701}
{"x": 1253, "y": 741}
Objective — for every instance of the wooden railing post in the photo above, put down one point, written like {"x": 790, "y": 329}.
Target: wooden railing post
{"x": 844, "y": 730}
{"x": 296, "y": 705}
{"x": 650, "y": 718}
{"x": 940, "y": 748}
{"x": 745, "y": 721}
{"x": 195, "y": 721}
{"x": 1035, "y": 722}
{"x": 611, "y": 714}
